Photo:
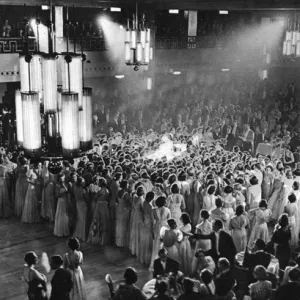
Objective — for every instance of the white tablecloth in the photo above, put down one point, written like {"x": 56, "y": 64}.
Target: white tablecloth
{"x": 149, "y": 288}
{"x": 273, "y": 266}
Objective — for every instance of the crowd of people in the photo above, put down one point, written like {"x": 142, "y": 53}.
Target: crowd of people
{"x": 183, "y": 190}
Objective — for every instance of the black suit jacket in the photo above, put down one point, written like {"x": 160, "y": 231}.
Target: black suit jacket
{"x": 171, "y": 266}
{"x": 224, "y": 283}
{"x": 288, "y": 291}
{"x": 62, "y": 284}
{"x": 226, "y": 247}
{"x": 255, "y": 259}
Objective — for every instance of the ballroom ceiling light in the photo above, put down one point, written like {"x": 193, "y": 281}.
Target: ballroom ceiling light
{"x": 115, "y": 9}
{"x": 173, "y": 11}
{"x": 120, "y": 76}
{"x": 67, "y": 110}
{"x": 176, "y": 73}
{"x": 137, "y": 42}
{"x": 223, "y": 12}
{"x": 291, "y": 43}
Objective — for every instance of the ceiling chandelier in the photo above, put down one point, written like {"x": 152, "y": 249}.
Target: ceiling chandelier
{"x": 54, "y": 122}
{"x": 291, "y": 44}
{"x": 138, "y": 50}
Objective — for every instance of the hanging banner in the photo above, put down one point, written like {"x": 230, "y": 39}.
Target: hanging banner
{"x": 193, "y": 20}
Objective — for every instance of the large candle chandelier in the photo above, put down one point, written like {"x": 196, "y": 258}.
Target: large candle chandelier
{"x": 66, "y": 109}
{"x": 138, "y": 50}
{"x": 291, "y": 44}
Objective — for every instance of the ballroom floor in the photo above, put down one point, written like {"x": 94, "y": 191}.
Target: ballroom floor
{"x": 17, "y": 238}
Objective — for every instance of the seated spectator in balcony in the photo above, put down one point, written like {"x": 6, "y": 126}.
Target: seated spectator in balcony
{"x": 6, "y": 29}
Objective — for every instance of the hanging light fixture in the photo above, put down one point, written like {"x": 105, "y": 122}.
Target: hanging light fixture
{"x": 70, "y": 124}
{"x": 291, "y": 43}
{"x": 67, "y": 114}
{"x": 32, "y": 139}
{"x": 137, "y": 42}
{"x": 19, "y": 118}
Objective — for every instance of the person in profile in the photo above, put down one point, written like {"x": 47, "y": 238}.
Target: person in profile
{"x": 61, "y": 282}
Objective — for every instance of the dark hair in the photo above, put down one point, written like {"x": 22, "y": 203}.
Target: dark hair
{"x": 174, "y": 188}
{"x": 253, "y": 180}
{"x": 140, "y": 191}
{"x": 162, "y": 251}
{"x": 296, "y": 185}
{"x": 260, "y": 244}
{"x": 160, "y": 201}
{"x": 185, "y": 219}
{"x": 294, "y": 275}
{"x": 161, "y": 287}
{"x": 160, "y": 186}
{"x": 149, "y": 196}
{"x": 204, "y": 214}
{"x": 57, "y": 260}
{"x": 117, "y": 176}
{"x": 292, "y": 198}
{"x": 218, "y": 202}
{"x": 218, "y": 223}
{"x": 60, "y": 176}
{"x": 239, "y": 210}
{"x": 211, "y": 190}
{"x": 172, "y": 178}
{"x": 228, "y": 189}
{"x": 123, "y": 184}
{"x": 224, "y": 262}
{"x": 283, "y": 220}
{"x": 130, "y": 276}
{"x": 206, "y": 276}
{"x": 30, "y": 258}
{"x": 188, "y": 285}
{"x": 171, "y": 222}
{"x": 73, "y": 243}
{"x": 263, "y": 203}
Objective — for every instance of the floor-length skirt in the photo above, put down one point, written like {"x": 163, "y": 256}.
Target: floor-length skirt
{"x": 20, "y": 194}
{"x": 198, "y": 202}
{"x": 186, "y": 257}
{"x": 135, "y": 233}
{"x": 239, "y": 237}
{"x": 48, "y": 202}
{"x": 259, "y": 231}
{"x": 5, "y": 205}
{"x": 294, "y": 232}
{"x": 78, "y": 291}
{"x": 31, "y": 206}
{"x": 100, "y": 229}
{"x": 61, "y": 223}
{"x": 122, "y": 226}
{"x": 146, "y": 242}
{"x": 189, "y": 202}
{"x": 81, "y": 220}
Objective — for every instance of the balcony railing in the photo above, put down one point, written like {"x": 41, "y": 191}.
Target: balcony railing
{"x": 15, "y": 45}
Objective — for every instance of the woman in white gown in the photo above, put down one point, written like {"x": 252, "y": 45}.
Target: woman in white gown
{"x": 204, "y": 227}
{"x": 161, "y": 215}
{"x": 254, "y": 193}
{"x": 229, "y": 202}
{"x": 291, "y": 209}
{"x": 176, "y": 204}
{"x": 209, "y": 198}
{"x": 72, "y": 261}
{"x": 261, "y": 217}
{"x": 171, "y": 237}
{"x": 185, "y": 251}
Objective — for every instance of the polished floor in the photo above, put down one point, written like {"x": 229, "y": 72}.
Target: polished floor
{"x": 17, "y": 238}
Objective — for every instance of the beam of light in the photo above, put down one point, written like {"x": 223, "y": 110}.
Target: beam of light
{"x": 173, "y": 11}
{"x": 121, "y": 27}
{"x": 114, "y": 39}
{"x": 120, "y": 76}
{"x": 225, "y": 70}
{"x": 115, "y": 9}
{"x": 41, "y": 32}
{"x": 223, "y": 12}
{"x": 176, "y": 73}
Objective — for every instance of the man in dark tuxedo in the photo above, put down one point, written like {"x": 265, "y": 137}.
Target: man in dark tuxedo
{"x": 260, "y": 138}
{"x": 164, "y": 265}
{"x": 230, "y": 138}
{"x": 61, "y": 282}
{"x": 290, "y": 290}
{"x": 224, "y": 280}
{"x": 222, "y": 243}
{"x": 259, "y": 257}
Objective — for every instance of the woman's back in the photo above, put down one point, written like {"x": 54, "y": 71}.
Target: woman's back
{"x": 260, "y": 290}
{"x": 72, "y": 260}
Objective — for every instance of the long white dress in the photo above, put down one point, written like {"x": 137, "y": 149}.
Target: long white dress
{"x": 175, "y": 202}
{"x": 205, "y": 227}
{"x": 161, "y": 215}
{"x": 185, "y": 251}
{"x": 72, "y": 261}
{"x": 292, "y": 210}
